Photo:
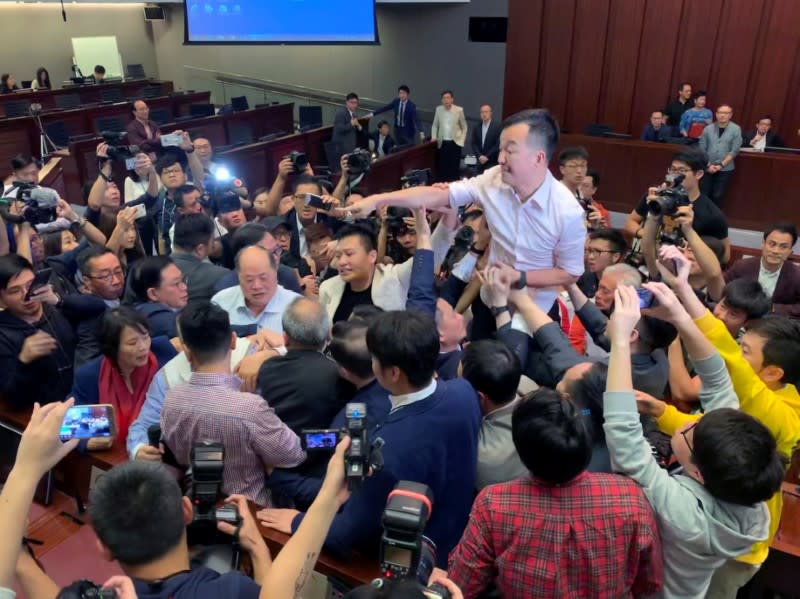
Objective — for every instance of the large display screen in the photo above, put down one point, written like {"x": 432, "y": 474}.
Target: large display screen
{"x": 280, "y": 22}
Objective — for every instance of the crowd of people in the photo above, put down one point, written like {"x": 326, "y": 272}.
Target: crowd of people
{"x": 593, "y": 418}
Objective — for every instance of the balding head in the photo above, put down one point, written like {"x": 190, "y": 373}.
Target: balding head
{"x": 305, "y": 324}
{"x": 258, "y": 276}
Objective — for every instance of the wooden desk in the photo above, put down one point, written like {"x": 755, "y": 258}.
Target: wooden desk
{"x": 759, "y": 192}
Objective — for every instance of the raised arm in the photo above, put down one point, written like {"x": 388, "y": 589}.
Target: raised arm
{"x": 705, "y": 257}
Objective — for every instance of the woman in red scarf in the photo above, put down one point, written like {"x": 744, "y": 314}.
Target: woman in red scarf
{"x": 124, "y": 371}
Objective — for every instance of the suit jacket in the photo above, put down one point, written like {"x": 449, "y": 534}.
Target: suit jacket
{"x": 334, "y": 224}
{"x": 137, "y": 136}
{"x": 459, "y": 127}
{"x": 490, "y": 147}
{"x": 773, "y": 139}
{"x": 411, "y": 125}
{"x": 344, "y": 134}
{"x": 388, "y": 143}
{"x": 786, "y": 299}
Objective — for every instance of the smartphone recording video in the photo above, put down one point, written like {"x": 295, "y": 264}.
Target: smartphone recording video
{"x": 88, "y": 422}
{"x": 646, "y": 298}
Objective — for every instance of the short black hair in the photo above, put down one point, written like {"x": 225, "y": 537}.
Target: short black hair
{"x": 98, "y": 68}
{"x": 192, "y": 230}
{"x": 248, "y": 234}
{"x": 586, "y": 393}
{"x": 655, "y": 333}
{"x": 408, "y": 340}
{"x": 167, "y": 160}
{"x": 136, "y": 509}
{"x": 613, "y": 237}
{"x": 185, "y": 189}
{"x": 551, "y": 436}
{"x": 787, "y": 228}
{"x": 146, "y": 274}
{"x": 657, "y": 110}
{"x": 699, "y": 93}
{"x": 781, "y": 336}
{"x": 695, "y": 158}
{"x": 205, "y": 329}
{"x": 11, "y": 266}
{"x": 403, "y": 88}
{"x": 541, "y": 125}
{"x": 682, "y": 85}
{"x": 111, "y": 325}
{"x": 737, "y": 457}
{"x": 447, "y": 91}
{"x": 590, "y": 172}
{"x": 88, "y": 254}
{"x": 21, "y": 161}
{"x": 747, "y": 295}
{"x": 351, "y": 96}
{"x": 765, "y": 116}
{"x": 348, "y": 347}
{"x": 365, "y": 233}
{"x": 365, "y": 313}
{"x": 492, "y": 368}
{"x": 571, "y": 153}
{"x": 306, "y": 179}
{"x": 382, "y": 123}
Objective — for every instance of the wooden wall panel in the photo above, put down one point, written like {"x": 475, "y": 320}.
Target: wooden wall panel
{"x": 692, "y": 58}
{"x": 522, "y": 57}
{"x": 554, "y": 58}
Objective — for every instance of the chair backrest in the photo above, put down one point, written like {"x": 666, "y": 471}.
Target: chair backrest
{"x": 110, "y": 123}
{"x": 201, "y": 110}
{"x": 112, "y": 94}
{"x": 596, "y": 129}
{"x": 135, "y": 71}
{"x": 161, "y": 115}
{"x": 16, "y": 108}
{"x": 240, "y": 103}
{"x": 57, "y": 132}
{"x": 68, "y": 101}
{"x": 333, "y": 153}
{"x": 26, "y": 84}
{"x": 310, "y": 117}
{"x": 153, "y": 91}
{"x": 240, "y": 132}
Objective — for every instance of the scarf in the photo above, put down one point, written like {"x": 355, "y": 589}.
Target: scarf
{"x": 114, "y": 391}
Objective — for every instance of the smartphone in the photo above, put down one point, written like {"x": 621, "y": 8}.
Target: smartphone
{"x": 141, "y": 210}
{"x": 171, "y": 139}
{"x": 96, "y": 421}
{"x": 646, "y": 297}
{"x": 316, "y": 201}
{"x": 40, "y": 279}
{"x": 130, "y": 164}
{"x": 319, "y": 439}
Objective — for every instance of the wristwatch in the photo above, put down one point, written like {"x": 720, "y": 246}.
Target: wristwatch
{"x": 189, "y": 151}
{"x": 476, "y": 251}
{"x": 523, "y": 281}
{"x": 498, "y": 310}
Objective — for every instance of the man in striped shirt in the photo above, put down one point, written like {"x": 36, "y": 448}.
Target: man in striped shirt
{"x": 210, "y": 407}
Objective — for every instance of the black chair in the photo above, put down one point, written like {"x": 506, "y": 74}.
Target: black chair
{"x": 135, "y": 71}
{"x": 68, "y": 101}
{"x": 310, "y": 117}
{"x": 613, "y": 135}
{"x": 111, "y": 94}
{"x": 153, "y": 91}
{"x": 596, "y": 129}
{"x": 26, "y": 84}
{"x": 240, "y": 104}
{"x": 57, "y": 132}
{"x": 201, "y": 110}
{"x": 110, "y": 123}
{"x": 161, "y": 115}
{"x": 240, "y": 133}
{"x": 16, "y": 108}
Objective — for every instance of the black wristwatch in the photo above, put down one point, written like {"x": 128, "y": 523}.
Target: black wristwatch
{"x": 498, "y": 310}
{"x": 189, "y": 151}
{"x": 476, "y": 251}
{"x": 522, "y": 283}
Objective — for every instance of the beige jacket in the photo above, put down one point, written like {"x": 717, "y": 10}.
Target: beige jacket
{"x": 459, "y": 126}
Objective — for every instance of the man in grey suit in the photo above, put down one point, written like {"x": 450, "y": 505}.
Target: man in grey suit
{"x": 346, "y": 125}
{"x": 721, "y": 141}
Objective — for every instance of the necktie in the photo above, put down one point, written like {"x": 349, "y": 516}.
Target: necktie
{"x": 400, "y": 118}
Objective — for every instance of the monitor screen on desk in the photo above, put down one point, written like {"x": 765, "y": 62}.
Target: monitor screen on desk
{"x": 778, "y": 150}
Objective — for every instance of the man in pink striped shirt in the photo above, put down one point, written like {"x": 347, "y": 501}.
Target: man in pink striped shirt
{"x": 210, "y": 407}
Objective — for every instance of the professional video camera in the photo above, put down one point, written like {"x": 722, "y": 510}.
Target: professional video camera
{"x": 416, "y": 177}
{"x": 405, "y": 551}
{"x": 86, "y": 589}
{"x": 299, "y": 161}
{"x": 207, "y": 459}
{"x": 669, "y": 199}
{"x": 115, "y": 150}
{"x": 220, "y": 192}
{"x": 358, "y": 162}
{"x": 395, "y": 216}
{"x": 39, "y": 204}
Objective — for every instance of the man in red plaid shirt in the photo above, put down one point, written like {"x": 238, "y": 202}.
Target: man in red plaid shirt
{"x": 562, "y": 531}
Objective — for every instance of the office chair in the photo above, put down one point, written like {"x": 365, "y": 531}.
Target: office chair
{"x": 310, "y": 117}
{"x": 153, "y": 91}
{"x": 161, "y": 115}
{"x": 57, "y": 132}
{"x": 596, "y": 129}
{"x": 201, "y": 110}
{"x": 240, "y": 133}
{"x": 240, "y": 104}
{"x": 135, "y": 71}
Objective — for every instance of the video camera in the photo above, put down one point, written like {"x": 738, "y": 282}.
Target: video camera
{"x": 405, "y": 551}
{"x": 208, "y": 460}
{"x": 86, "y": 589}
{"x": 395, "y": 216}
{"x": 417, "y": 177}
{"x": 220, "y": 192}
{"x": 299, "y": 161}
{"x": 669, "y": 199}
{"x": 39, "y": 204}
{"x": 358, "y": 162}
{"x": 116, "y": 151}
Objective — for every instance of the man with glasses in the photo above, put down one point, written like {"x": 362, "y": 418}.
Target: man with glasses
{"x": 721, "y": 141}
{"x": 171, "y": 171}
{"x": 161, "y": 292}
{"x": 603, "y": 248}
{"x": 709, "y": 221}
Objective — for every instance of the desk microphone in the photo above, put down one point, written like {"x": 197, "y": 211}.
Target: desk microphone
{"x": 154, "y": 435}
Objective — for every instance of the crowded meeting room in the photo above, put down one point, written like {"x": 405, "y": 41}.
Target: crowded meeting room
{"x": 400, "y": 299}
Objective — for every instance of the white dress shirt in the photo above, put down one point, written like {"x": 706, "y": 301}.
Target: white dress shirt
{"x": 301, "y": 236}
{"x": 484, "y": 130}
{"x": 232, "y": 301}
{"x": 447, "y": 127}
{"x": 399, "y": 401}
{"x": 381, "y": 140}
{"x": 768, "y": 279}
{"x": 546, "y": 231}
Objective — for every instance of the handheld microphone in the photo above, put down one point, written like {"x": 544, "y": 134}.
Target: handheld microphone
{"x": 154, "y": 435}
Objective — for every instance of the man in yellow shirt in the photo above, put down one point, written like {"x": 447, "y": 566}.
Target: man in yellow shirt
{"x": 761, "y": 371}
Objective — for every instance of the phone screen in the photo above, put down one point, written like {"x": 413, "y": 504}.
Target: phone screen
{"x": 316, "y": 201}
{"x": 88, "y": 422}
{"x": 645, "y": 297}
{"x": 326, "y": 440}
{"x": 39, "y": 280}
{"x": 130, "y": 163}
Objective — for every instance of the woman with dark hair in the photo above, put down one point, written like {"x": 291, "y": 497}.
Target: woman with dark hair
{"x": 7, "y": 83}
{"x": 124, "y": 371}
{"x": 124, "y": 240}
{"x": 42, "y": 80}
{"x": 58, "y": 242}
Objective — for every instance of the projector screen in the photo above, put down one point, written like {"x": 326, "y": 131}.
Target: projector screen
{"x": 280, "y": 22}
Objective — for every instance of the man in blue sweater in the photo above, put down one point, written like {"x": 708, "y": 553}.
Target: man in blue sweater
{"x": 431, "y": 436}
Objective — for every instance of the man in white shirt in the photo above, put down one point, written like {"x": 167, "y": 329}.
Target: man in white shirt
{"x": 449, "y": 130}
{"x": 537, "y": 225}
{"x": 258, "y": 302}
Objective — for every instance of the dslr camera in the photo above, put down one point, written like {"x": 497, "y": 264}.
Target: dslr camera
{"x": 299, "y": 161}
{"x": 405, "y": 551}
{"x": 38, "y": 204}
{"x": 417, "y": 177}
{"x": 116, "y": 151}
{"x": 208, "y": 460}
{"x": 395, "y": 216}
{"x": 220, "y": 192}
{"x": 358, "y": 162}
{"x": 669, "y": 199}
{"x": 86, "y": 589}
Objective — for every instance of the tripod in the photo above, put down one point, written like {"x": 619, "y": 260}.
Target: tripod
{"x": 45, "y": 143}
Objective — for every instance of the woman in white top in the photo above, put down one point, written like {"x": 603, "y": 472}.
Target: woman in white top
{"x": 140, "y": 180}
{"x": 42, "y": 80}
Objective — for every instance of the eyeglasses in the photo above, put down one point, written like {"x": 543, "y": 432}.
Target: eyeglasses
{"x": 679, "y": 171}
{"x": 593, "y": 253}
{"x": 685, "y": 438}
{"x": 108, "y": 276}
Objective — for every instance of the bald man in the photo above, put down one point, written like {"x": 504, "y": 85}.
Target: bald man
{"x": 258, "y": 301}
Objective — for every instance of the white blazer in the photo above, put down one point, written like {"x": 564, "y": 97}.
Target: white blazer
{"x": 459, "y": 127}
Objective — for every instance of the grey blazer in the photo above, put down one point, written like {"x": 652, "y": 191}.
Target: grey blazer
{"x": 717, "y": 147}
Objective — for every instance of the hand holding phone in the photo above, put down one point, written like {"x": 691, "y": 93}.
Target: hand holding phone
{"x": 646, "y": 298}
{"x": 319, "y": 439}
{"x": 318, "y": 202}
{"x": 96, "y": 421}
{"x": 40, "y": 279}
{"x": 171, "y": 139}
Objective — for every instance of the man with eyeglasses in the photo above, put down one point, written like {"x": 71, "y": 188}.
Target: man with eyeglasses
{"x": 709, "y": 221}
{"x": 37, "y": 344}
{"x": 161, "y": 292}
{"x": 721, "y": 141}
{"x": 603, "y": 248}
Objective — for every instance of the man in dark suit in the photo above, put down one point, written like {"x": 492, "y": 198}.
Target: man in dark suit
{"x": 141, "y": 130}
{"x": 485, "y": 140}
{"x": 346, "y": 125}
{"x": 779, "y": 277}
{"x": 406, "y": 122}
{"x": 762, "y": 136}
{"x": 382, "y": 140}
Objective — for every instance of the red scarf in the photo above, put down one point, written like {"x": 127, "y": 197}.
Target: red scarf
{"x": 114, "y": 391}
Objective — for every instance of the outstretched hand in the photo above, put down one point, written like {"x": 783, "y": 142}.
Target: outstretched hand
{"x": 666, "y": 305}
{"x": 670, "y": 254}
{"x": 626, "y": 314}
{"x": 41, "y": 448}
